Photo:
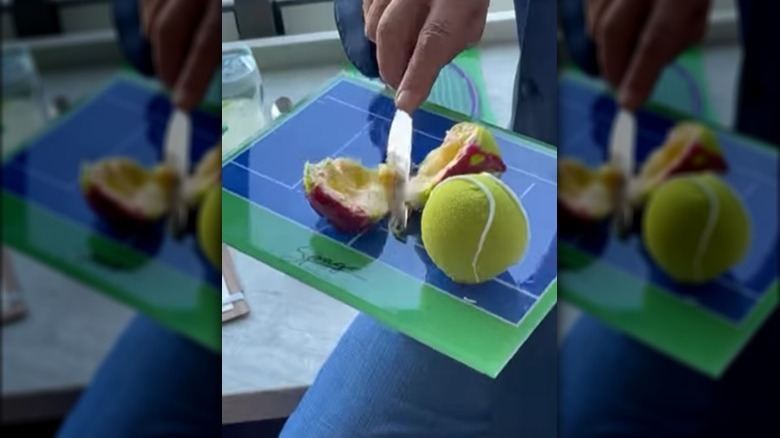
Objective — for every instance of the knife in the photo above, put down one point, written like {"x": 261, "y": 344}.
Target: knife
{"x": 621, "y": 151}
{"x": 177, "y": 155}
{"x": 399, "y": 158}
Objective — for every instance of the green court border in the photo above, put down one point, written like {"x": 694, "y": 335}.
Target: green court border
{"x": 446, "y": 324}
{"x": 195, "y": 316}
{"x": 676, "y": 328}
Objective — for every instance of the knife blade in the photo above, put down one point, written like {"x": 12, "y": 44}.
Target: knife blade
{"x": 622, "y": 154}
{"x": 177, "y": 155}
{"x": 399, "y": 158}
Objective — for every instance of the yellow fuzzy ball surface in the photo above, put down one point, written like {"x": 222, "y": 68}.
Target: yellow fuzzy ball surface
{"x": 474, "y": 228}
{"x": 696, "y": 228}
{"x": 210, "y": 226}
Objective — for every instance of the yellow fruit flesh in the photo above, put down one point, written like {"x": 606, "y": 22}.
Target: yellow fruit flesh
{"x": 133, "y": 185}
{"x": 587, "y": 190}
{"x": 438, "y": 159}
{"x": 352, "y": 183}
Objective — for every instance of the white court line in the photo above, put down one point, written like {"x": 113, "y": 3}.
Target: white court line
{"x": 127, "y": 141}
{"x": 342, "y": 148}
{"x": 379, "y": 116}
{"x": 751, "y": 190}
{"x": 516, "y": 287}
{"x": 448, "y": 294}
{"x": 582, "y": 133}
{"x": 527, "y": 190}
{"x": 552, "y": 183}
{"x": 68, "y": 186}
{"x": 45, "y": 178}
{"x": 234, "y": 163}
{"x": 497, "y": 280}
{"x": 451, "y": 295}
{"x": 423, "y": 133}
{"x": 745, "y": 292}
{"x": 156, "y": 116}
{"x": 355, "y": 239}
{"x": 644, "y": 132}
{"x": 755, "y": 176}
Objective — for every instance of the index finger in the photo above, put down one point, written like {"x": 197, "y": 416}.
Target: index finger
{"x": 202, "y": 61}
{"x": 657, "y": 47}
{"x": 436, "y": 47}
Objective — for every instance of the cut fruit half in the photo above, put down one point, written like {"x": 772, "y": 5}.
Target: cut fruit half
{"x": 584, "y": 194}
{"x": 208, "y": 173}
{"x": 689, "y": 147}
{"x": 468, "y": 148}
{"x": 350, "y": 196}
{"x": 126, "y": 194}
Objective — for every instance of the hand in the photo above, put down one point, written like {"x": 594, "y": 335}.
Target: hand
{"x": 636, "y": 39}
{"x": 185, "y": 40}
{"x": 415, "y": 39}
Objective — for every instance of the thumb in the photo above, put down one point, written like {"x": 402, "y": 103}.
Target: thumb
{"x": 435, "y": 48}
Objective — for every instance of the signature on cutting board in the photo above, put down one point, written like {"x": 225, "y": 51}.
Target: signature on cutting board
{"x": 305, "y": 256}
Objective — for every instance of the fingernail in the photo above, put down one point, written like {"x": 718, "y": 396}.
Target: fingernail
{"x": 627, "y": 99}
{"x": 183, "y": 99}
{"x": 403, "y": 100}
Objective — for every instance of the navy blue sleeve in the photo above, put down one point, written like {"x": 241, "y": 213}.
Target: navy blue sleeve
{"x": 758, "y": 98}
{"x": 580, "y": 47}
{"x": 135, "y": 47}
{"x": 536, "y": 84}
{"x": 359, "y": 50}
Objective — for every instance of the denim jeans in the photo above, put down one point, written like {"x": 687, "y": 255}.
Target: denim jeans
{"x": 153, "y": 383}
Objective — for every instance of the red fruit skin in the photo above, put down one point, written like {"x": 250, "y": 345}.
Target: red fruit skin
{"x": 697, "y": 158}
{"x": 341, "y": 217}
{"x": 491, "y": 163}
{"x": 121, "y": 216}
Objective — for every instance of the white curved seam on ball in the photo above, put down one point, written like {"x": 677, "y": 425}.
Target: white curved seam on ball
{"x": 709, "y": 227}
{"x": 488, "y": 223}
{"x": 519, "y": 204}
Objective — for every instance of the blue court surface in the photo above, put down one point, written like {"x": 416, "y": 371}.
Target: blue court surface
{"x": 586, "y": 120}
{"x": 126, "y": 119}
{"x": 350, "y": 120}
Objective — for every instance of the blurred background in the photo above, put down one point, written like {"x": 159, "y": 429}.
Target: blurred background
{"x": 54, "y": 53}
{"x": 56, "y": 331}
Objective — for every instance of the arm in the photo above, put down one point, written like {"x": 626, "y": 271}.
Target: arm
{"x": 359, "y": 50}
{"x": 175, "y": 40}
{"x": 135, "y": 47}
{"x": 579, "y": 46}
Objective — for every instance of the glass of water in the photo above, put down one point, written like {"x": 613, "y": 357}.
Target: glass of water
{"x": 243, "y": 107}
{"x": 24, "y": 111}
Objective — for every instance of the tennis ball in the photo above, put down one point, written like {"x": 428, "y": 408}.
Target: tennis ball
{"x": 474, "y": 227}
{"x": 696, "y": 228}
{"x": 208, "y": 172}
{"x": 210, "y": 226}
